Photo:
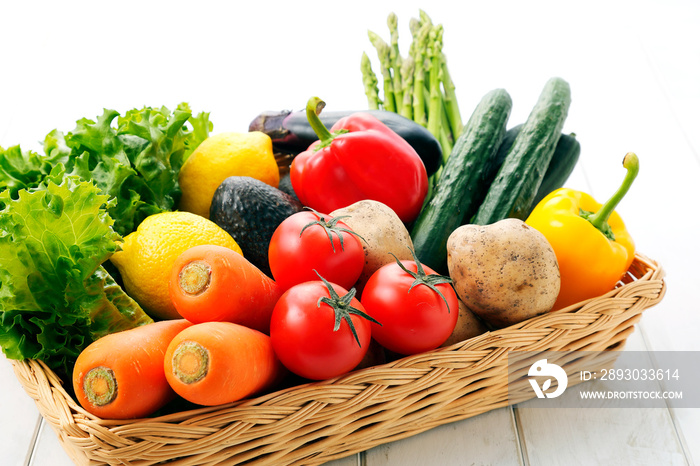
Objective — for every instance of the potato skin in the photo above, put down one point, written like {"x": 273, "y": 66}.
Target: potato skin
{"x": 505, "y": 272}
{"x": 468, "y": 326}
{"x": 383, "y": 232}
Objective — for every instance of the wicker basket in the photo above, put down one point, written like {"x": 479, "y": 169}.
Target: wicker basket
{"x": 315, "y": 423}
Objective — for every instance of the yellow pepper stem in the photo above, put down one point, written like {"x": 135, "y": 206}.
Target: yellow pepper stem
{"x": 600, "y": 218}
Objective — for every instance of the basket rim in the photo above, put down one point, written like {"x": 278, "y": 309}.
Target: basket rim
{"x": 653, "y": 272}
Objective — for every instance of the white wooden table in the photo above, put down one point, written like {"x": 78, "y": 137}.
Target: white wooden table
{"x": 634, "y": 69}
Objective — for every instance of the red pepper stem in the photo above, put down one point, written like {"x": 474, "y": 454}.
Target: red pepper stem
{"x": 313, "y": 110}
{"x": 600, "y": 218}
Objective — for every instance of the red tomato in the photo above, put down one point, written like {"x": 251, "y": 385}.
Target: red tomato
{"x": 309, "y": 242}
{"x": 304, "y": 334}
{"x": 415, "y": 317}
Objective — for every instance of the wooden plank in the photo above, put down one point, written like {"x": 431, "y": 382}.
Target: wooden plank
{"x": 353, "y": 460}
{"x": 48, "y": 449}
{"x": 20, "y": 418}
{"x": 618, "y": 435}
{"x": 599, "y": 435}
{"x": 671, "y": 55}
{"x": 489, "y": 438}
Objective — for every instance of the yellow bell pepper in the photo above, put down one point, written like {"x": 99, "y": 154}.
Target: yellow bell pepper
{"x": 592, "y": 245}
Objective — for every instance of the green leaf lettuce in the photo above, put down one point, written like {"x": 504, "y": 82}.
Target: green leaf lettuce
{"x": 135, "y": 159}
{"x": 55, "y": 296}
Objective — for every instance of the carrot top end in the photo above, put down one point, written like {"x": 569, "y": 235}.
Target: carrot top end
{"x": 190, "y": 362}
{"x": 195, "y": 278}
{"x": 100, "y": 386}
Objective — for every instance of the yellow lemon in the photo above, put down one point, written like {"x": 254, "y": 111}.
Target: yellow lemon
{"x": 148, "y": 255}
{"x": 220, "y": 156}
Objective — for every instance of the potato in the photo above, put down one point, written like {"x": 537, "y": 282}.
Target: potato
{"x": 383, "y": 232}
{"x": 468, "y": 326}
{"x": 505, "y": 272}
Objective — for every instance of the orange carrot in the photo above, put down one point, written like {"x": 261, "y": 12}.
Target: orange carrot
{"x": 216, "y": 284}
{"x": 121, "y": 376}
{"x": 214, "y": 363}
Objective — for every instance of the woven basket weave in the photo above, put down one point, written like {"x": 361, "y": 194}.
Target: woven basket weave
{"x": 315, "y": 423}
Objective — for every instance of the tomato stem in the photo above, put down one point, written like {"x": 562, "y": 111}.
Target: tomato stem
{"x": 422, "y": 278}
{"x": 100, "y": 386}
{"x": 342, "y": 308}
{"x": 330, "y": 226}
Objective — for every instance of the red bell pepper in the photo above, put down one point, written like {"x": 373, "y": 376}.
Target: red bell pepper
{"x": 359, "y": 158}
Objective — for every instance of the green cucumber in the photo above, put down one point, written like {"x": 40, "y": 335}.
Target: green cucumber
{"x": 563, "y": 162}
{"x": 513, "y": 190}
{"x": 464, "y": 179}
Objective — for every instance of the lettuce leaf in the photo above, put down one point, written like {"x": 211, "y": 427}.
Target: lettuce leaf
{"x": 137, "y": 162}
{"x": 135, "y": 159}
{"x": 21, "y": 169}
{"x": 61, "y": 215}
{"x": 201, "y": 128}
{"x": 55, "y": 296}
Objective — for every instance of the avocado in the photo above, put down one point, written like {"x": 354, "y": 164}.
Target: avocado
{"x": 250, "y": 211}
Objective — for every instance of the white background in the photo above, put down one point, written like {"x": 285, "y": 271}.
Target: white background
{"x": 634, "y": 70}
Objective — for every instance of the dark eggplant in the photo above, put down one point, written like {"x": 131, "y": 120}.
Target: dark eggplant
{"x": 291, "y": 133}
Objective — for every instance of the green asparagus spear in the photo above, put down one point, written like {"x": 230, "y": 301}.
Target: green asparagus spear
{"x": 395, "y": 60}
{"x": 435, "y": 102}
{"x": 370, "y": 82}
{"x": 424, "y": 18}
{"x": 427, "y": 23}
{"x": 419, "y": 86}
{"x": 450, "y": 100}
{"x": 414, "y": 27}
{"x": 407, "y": 73}
{"x": 383, "y": 51}
{"x": 419, "y": 111}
